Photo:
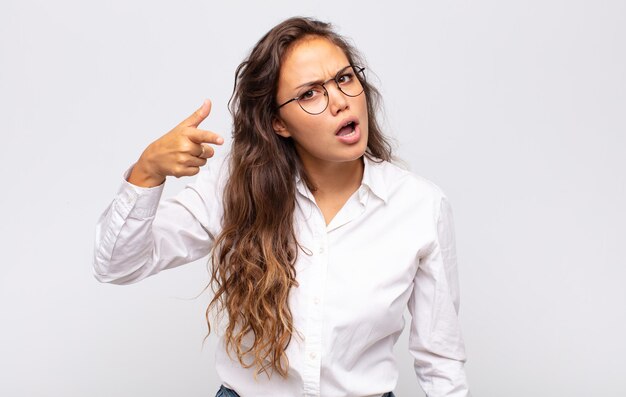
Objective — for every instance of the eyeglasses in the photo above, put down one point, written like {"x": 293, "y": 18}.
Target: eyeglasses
{"x": 313, "y": 98}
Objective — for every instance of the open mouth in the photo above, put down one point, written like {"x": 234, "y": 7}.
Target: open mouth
{"x": 347, "y": 129}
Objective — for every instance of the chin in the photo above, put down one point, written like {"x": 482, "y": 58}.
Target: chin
{"x": 355, "y": 152}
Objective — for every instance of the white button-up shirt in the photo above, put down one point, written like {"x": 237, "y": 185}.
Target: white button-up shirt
{"x": 391, "y": 246}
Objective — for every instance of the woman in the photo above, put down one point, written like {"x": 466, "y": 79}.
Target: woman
{"x": 318, "y": 242}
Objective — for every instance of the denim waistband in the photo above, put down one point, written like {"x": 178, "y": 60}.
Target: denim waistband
{"x": 226, "y": 392}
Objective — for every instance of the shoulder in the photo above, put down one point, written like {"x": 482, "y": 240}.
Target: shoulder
{"x": 413, "y": 203}
{"x": 402, "y": 184}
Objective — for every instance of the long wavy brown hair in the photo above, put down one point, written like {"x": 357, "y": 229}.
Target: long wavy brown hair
{"x": 253, "y": 260}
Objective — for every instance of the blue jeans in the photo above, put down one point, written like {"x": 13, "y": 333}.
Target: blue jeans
{"x": 226, "y": 392}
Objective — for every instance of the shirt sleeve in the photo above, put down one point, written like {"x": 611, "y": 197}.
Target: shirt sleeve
{"x": 435, "y": 340}
{"x": 139, "y": 234}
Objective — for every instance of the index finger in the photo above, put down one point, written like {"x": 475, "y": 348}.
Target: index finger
{"x": 203, "y": 136}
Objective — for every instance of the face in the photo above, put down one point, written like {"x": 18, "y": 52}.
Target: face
{"x": 320, "y": 138}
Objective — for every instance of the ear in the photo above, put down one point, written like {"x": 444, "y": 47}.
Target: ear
{"x": 280, "y": 128}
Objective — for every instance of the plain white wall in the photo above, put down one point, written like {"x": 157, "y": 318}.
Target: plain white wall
{"x": 515, "y": 109}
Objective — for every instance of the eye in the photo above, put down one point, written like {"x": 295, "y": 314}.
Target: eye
{"x": 312, "y": 93}
{"x": 345, "y": 78}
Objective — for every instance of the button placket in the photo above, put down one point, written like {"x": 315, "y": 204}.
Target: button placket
{"x": 313, "y": 341}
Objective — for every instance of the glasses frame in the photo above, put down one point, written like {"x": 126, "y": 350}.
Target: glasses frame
{"x": 359, "y": 72}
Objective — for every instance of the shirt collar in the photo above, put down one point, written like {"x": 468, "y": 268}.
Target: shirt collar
{"x": 373, "y": 179}
{"x": 302, "y": 187}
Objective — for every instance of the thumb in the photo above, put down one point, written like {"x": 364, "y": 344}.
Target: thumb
{"x": 196, "y": 118}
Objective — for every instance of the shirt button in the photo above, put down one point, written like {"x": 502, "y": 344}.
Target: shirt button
{"x": 313, "y": 355}
{"x": 321, "y": 250}
{"x": 316, "y": 300}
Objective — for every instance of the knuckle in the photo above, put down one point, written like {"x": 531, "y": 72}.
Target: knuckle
{"x": 185, "y": 147}
{"x": 177, "y": 171}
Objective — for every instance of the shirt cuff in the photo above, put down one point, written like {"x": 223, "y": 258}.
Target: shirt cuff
{"x": 140, "y": 202}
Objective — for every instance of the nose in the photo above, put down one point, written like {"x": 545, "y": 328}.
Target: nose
{"x": 337, "y": 100}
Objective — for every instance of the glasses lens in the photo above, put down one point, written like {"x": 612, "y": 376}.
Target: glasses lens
{"x": 349, "y": 81}
{"x": 313, "y": 99}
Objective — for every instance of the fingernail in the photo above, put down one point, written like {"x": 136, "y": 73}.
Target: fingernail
{"x": 219, "y": 140}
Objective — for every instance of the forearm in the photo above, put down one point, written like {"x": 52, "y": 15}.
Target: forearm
{"x": 124, "y": 242}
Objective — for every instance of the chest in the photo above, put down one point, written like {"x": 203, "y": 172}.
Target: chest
{"x": 358, "y": 269}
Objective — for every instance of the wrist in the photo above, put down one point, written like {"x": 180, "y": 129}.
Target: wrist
{"x": 142, "y": 176}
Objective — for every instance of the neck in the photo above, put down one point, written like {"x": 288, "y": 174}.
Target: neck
{"x": 334, "y": 178}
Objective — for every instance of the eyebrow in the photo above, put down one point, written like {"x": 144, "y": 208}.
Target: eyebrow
{"x": 321, "y": 81}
